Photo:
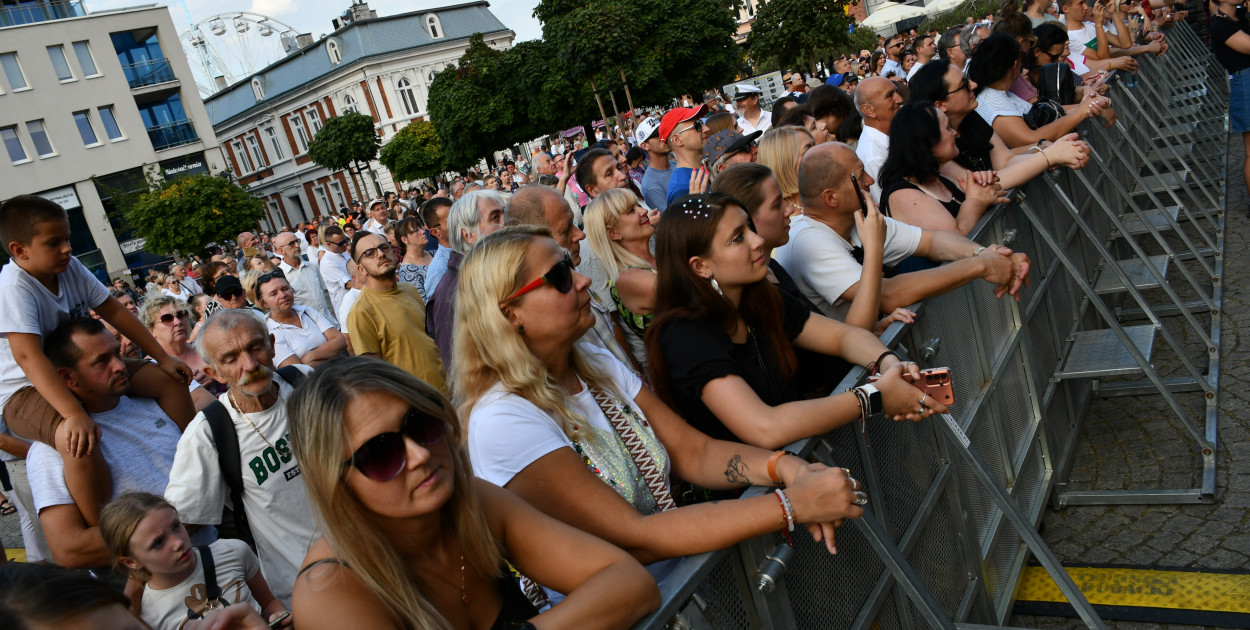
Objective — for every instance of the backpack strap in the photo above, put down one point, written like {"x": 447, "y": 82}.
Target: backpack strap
{"x": 231, "y": 464}
{"x": 292, "y": 375}
{"x": 212, "y": 590}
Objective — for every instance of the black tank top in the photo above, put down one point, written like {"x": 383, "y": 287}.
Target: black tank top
{"x": 952, "y": 206}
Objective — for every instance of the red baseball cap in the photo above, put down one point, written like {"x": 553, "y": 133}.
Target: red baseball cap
{"x": 678, "y": 115}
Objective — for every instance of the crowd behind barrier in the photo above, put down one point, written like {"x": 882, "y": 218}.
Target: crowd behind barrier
{"x": 936, "y": 549}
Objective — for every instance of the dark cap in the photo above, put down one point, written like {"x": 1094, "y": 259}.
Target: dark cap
{"x": 726, "y": 142}
{"x": 226, "y": 283}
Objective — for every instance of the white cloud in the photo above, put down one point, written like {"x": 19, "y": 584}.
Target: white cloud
{"x": 274, "y": 8}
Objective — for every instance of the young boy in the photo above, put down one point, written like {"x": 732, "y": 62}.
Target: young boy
{"x": 41, "y": 287}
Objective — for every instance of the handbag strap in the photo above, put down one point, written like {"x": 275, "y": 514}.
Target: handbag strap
{"x": 616, "y": 413}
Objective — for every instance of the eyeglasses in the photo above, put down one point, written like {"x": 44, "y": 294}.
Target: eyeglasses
{"x": 372, "y": 252}
{"x": 266, "y": 277}
{"x": 698, "y": 125}
{"x": 231, "y": 294}
{"x": 336, "y": 243}
{"x": 560, "y": 276}
{"x": 168, "y": 318}
{"x": 385, "y": 455}
{"x": 963, "y": 85}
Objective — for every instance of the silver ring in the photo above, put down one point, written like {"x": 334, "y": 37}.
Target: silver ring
{"x": 923, "y": 398}
{"x": 848, "y": 472}
{"x": 861, "y": 498}
{"x": 855, "y": 484}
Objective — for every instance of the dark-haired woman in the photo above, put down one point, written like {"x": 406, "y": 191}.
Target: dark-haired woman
{"x": 411, "y": 233}
{"x": 722, "y": 346}
{"x": 994, "y": 67}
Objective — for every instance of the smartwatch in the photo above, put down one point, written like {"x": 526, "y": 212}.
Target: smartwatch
{"x": 874, "y": 398}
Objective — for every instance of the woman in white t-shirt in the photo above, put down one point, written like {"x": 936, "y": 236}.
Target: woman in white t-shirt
{"x": 549, "y": 419}
{"x": 301, "y": 334}
{"x": 149, "y": 543}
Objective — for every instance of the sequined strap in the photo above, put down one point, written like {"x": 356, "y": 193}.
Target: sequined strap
{"x": 616, "y": 413}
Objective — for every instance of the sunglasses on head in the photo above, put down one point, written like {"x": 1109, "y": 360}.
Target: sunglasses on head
{"x": 231, "y": 294}
{"x": 560, "y": 276}
{"x": 385, "y": 455}
{"x": 266, "y": 277}
{"x": 168, "y": 318}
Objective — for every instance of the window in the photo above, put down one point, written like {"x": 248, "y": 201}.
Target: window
{"x": 39, "y": 135}
{"x": 321, "y": 199}
{"x": 83, "y": 120}
{"x": 258, "y": 90}
{"x": 253, "y": 148}
{"x": 433, "y": 26}
{"x": 60, "y": 64}
{"x": 407, "y": 97}
{"x": 13, "y": 70}
{"x": 337, "y": 189}
{"x": 13, "y": 144}
{"x": 110, "y": 123}
{"x": 314, "y": 120}
{"x": 332, "y": 49}
{"x": 242, "y": 162}
{"x": 85, "y": 61}
{"x": 349, "y": 103}
{"x": 301, "y": 135}
{"x": 274, "y": 144}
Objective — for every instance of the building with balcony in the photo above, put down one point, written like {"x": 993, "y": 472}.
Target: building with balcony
{"x": 88, "y": 103}
{"x": 379, "y": 66}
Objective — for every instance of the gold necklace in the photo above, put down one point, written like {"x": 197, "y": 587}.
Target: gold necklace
{"x": 796, "y": 206}
{"x": 230, "y": 394}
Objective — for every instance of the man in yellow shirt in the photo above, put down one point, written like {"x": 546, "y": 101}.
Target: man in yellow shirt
{"x": 388, "y": 319}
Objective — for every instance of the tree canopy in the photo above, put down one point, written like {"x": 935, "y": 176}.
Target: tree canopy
{"x": 792, "y": 31}
{"x": 344, "y": 140}
{"x": 414, "y": 152}
{"x": 185, "y": 213}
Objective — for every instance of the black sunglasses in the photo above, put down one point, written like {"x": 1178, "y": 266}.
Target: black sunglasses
{"x": 336, "y": 243}
{"x": 560, "y": 276}
{"x": 168, "y": 318}
{"x": 385, "y": 455}
{"x": 266, "y": 277}
{"x": 963, "y": 85}
{"x": 230, "y": 294}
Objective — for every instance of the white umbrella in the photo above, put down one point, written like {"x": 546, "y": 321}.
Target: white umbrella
{"x": 890, "y": 12}
{"x": 940, "y": 6}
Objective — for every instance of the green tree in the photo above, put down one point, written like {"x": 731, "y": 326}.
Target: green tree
{"x": 346, "y": 140}
{"x": 793, "y": 30}
{"x": 414, "y": 152}
{"x": 189, "y": 212}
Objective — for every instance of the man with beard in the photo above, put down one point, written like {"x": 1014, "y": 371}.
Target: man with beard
{"x": 275, "y": 509}
{"x": 388, "y": 319}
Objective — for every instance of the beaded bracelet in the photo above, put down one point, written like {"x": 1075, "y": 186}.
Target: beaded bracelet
{"x": 787, "y": 516}
{"x": 872, "y": 367}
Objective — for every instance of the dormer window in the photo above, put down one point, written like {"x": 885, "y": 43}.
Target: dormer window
{"x": 258, "y": 89}
{"x": 434, "y": 26}
{"x": 332, "y": 49}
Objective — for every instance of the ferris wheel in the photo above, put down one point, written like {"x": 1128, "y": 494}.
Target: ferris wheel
{"x": 233, "y": 46}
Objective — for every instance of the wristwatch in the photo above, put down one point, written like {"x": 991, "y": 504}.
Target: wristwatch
{"x": 874, "y": 398}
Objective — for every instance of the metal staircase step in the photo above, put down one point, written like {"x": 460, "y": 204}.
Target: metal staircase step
{"x": 1164, "y": 154}
{"x": 1138, "y": 273}
{"x": 1161, "y": 183}
{"x": 1134, "y": 223}
{"x": 1098, "y": 353}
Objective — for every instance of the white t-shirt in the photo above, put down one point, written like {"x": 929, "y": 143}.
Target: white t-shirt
{"x": 334, "y": 272}
{"x": 137, "y": 441}
{"x": 234, "y": 564}
{"x": 277, "y": 505}
{"x": 298, "y": 340}
{"x": 872, "y": 150}
{"x": 507, "y": 433}
{"x": 993, "y": 103}
{"x": 821, "y": 263}
{"x": 345, "y": 308}
{"x": 914, "y": 69}
{"x": 29, "y": 307}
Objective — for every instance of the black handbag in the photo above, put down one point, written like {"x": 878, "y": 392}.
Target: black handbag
{"x": 1043, "y": 113}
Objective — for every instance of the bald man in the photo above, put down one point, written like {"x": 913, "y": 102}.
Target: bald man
{"x": 305, "y": 279}
{"x": 877, "y": 100}
{"x": 825, "y": 254}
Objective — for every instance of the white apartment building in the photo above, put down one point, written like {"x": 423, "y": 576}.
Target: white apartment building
{"x": 88, "y": 101}
{"x": 379, "y": 66}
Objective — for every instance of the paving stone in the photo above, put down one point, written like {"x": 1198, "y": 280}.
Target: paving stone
{"x": 1222, "y": 559}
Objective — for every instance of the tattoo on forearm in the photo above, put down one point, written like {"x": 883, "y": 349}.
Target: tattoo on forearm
{"x": 736, "y": 471}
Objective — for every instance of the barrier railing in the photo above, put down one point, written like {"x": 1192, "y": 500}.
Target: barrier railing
{"x": 955, "y": 500}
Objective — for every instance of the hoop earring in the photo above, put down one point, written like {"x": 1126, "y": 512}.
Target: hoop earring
{"x": 716, "y": 287}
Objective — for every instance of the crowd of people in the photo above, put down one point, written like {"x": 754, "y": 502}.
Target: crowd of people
{"x": 519, "y": 397}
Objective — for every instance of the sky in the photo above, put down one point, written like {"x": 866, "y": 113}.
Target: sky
{"x": 314, "y": 16}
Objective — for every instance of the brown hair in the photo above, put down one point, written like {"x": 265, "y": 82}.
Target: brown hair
{"x": 118, "y": 521}
{"x": 20, "y": 218}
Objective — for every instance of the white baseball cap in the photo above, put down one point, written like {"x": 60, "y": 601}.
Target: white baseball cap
{"x": 647, "y": 128}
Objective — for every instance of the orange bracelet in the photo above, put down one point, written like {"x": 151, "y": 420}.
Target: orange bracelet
{"x": 772, "y": 467}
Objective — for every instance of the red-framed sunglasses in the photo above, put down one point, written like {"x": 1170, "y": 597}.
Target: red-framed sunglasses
{"x": 560, "y": 276}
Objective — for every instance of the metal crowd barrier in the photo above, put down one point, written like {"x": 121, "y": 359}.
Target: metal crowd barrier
{"x": 1136, "y": 236}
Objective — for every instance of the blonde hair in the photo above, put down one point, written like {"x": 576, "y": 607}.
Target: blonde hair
{"x": 321, "y": 441}
{"x": 118, "y": 521}
{"x": 489, "y": 350}
{"x": 779, "y": 150}
{"x": 250, "y": 279}
{"x": 603, "y": 214}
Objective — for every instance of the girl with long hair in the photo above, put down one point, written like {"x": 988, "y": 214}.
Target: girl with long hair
{"x": 574, "y": 432}
{"x": 618, "y": 234}
{"x": 723, "y": 344}
{"x": 411, "y": 540}
{"x": 151, "y": 546}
